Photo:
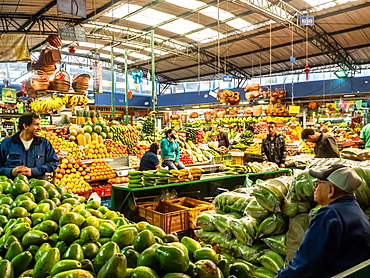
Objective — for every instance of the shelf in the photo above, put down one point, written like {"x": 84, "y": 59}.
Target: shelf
{"x": 10, "y": 115}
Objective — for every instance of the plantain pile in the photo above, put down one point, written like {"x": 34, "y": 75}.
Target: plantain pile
{"x": 135, "y": 179}
{"x": 149, "y": 125}
{"x": 150, "y": 178}
{"x": 47, "y": 105}
{"x": 196, "y": 173}
{"x": 127, "y": 135}
{"x": 185, "y": 175}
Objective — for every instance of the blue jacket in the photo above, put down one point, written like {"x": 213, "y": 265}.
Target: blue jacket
{"x": 170, "y": 149}
{"x": 337, "y": 239}
{"x": 40, "y": 158}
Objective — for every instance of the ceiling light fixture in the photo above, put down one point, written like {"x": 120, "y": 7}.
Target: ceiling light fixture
{"x": 341, "y": 73}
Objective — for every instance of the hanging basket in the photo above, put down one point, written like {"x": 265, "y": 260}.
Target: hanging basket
{"x": 39, "y": 80}
{"x": 61, "y": 81}
{"x": 80, "y": 82}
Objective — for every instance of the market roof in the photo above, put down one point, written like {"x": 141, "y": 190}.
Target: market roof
{"x": 197, "y": 40}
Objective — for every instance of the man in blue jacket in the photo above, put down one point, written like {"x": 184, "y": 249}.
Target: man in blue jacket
{"x": 338, "y": 237}
{"x": 26, "y": 153}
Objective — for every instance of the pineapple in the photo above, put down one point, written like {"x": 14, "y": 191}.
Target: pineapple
{"x": 80, "y": 117}
{"x": 94, "y": 119}
{"x": 100, "y": 118}
{"x": 86, "y": 115}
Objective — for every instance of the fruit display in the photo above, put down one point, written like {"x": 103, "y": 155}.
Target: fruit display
{"x": 127, "y": 135}
{"x": 47, "y": 105}
{"x": 246, "y": 136}
{"x": 77, "y": 100}
{"x": 191, "y": 134}
{"x": 96, "y": 150}
{"x": 184, "y": 175}
{"x": 118, "y": 180}
{"x": 55, "y": 141}
{"x": 115, "y": 149}
{"x": 141, "y": 148}
{"x": 100, "y": 169}
{"x": 185, "y": 158}
{"x": 196, "y": 154}
{"x": 251, "y": 167}
{"x": 254, "y": 148}
{"x": 135, "y": 178}
{"x": 134, "y": 162}
{"x": 149, "y": 125}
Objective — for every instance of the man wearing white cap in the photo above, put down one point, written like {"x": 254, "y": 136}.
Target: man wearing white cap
{"x": 338, "y": 237}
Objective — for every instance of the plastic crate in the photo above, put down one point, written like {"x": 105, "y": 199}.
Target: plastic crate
{"x": 238, "y": 160}
{"x": 217, "y": 159}
{"x": 227, "y": 157}
{"x": 193, "y": 207}
{"x": 164, "y": 215}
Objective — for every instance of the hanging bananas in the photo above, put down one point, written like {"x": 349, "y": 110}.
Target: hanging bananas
{"x": 57, "y": 102}
{"x": 77, "y": 100}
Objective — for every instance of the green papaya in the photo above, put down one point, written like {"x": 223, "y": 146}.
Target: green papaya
{"x": 33, "y": 249}
{"x": 42, "y": 208}
{"x": 124, "y": 237}
{"x": 207, "y": 269}
{"x": 192, "y": 270}
{"x": 155, "y": 230}
{"x": 176, "y": 275}
{"x": 37, "y": 218}
{"x": 143, "y": 240}
{"x": 206, "y": 253}
{"x": 47, "y": 226}
{"x": 18, "y": 212}
{"x": 62, "y": 246}
{"x": 147, "y": 258}
{"x": 89, "y": 234}
{"x": 144, "y": 272}
{"x": 262, "y": 272}
{"x": 34, "y": 237}
{"x": 106, "y": 230}
{"x": 241, "y": 270}
{"x": 40, "y": 193}
{"x": 224, "y": 266}
{"x": 43, "y": 248}
{"x": 20, "y": 229}
{"x": 27, "y": 273}
{"x": 104, "y": 254}
{"x": 132, "y": 256}
{"x": 69, "y": 232}
{"x": 65, "y": 265}
{"x": 115, "y": 267}
{"x": 191, "y": 245}
{"x": 22, "y": 262}
{"x": 90, "y": 250}
{"x": 14, "y": 249}
{"x": 172, "y": 259}
{"x": 74, "y": 273}
{"x": 6, "y": 269}
{"x": 88, "y": 265}
{"x": 44, "y": 265}
{"x": 74, "y": 252}
{"x": 54, "y": 214}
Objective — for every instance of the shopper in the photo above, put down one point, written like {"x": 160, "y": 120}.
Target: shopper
{"x": 273, "y": 146}
{"x": 150, "y": 160}
{"x": 26, "y": 153}
{"x": 365, "y": 136}
{"x": 170, "y": 151}
{"x": 325, "y": 145}
{"x": 338, "y": 236}
{"x": 222, "y": 138}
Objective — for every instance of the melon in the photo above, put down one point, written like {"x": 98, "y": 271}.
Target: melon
{"x": 110, "y": 135}
{"x": 98, "y": 129}
{"x": 88, "y": 123}
{"x": 80, "y": 130}
{"x": 88, "y": 129}
{"x": 103, "y": 134}
{"x": 73, "y": 132}
{"x": 72, "y": 137}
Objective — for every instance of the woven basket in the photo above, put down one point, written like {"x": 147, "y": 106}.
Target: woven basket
{"x": 80, "y": 82}
{"x": 61, "y": 81}
{"x": 39, "y": 81}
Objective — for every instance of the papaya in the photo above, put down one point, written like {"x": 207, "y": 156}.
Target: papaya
{"x": 44, "y": 265}
{"x": 6, "y": 269}
{"x": 22, "y": 262}
{"x": 241, "y": 270}
{"x": 71, "y": 218}
{"x": 224, "y": 266}
{"x": 53, "y": 193}
{"x": 143, "y": 240}
{"x": 90, "y": 250}
{"x": 172, "y": 259}
{"x": 69, "y": 233}
{"x": 105, "y": 252}
{"x": 33, "y": 249}
{"x": 34, "y": 237}
{"x": 190, "y": 244}
{"x": 115, "y": 267}
{"x": 14, "y": 249}
{"x": 18, "y": 212}
{"x": 53, "y": 239}
{"x": 52, "y": 204}
{"x": 192, "y": 270}
{"x": 176, "y": 275}
{"x": 65, "y": 265}
{"x": 124, "y": 237}
{"x": 155, "y": 230}
{"x": 74, "y": 252}
{"x": 18, "y": 188}
{"x": 43, "y": 248}
{"x": 88, "y": 265}
{"x": 27, "y": 273}
{"x": 40, "y": 193}
{"x": 62, "y": 246}
{"x": 132, "y": 256}
{"x": 11, "y": 239}
{"x": 37, "y": 218}
{"x": 89, "y": 234}
{"x": 206, "y": 253}
{"x": 20, "y": 229}
{"x": 42, "y": 208}
{"x": 144, "y": 272}
{"x": 74, "y": 273}
{"x": 207, "y": 269}
{"x": 93, "y": 221}
{"x": 47, "y": 226}
{"x": 106, "y": 230}
{"x": 29, "y": 205}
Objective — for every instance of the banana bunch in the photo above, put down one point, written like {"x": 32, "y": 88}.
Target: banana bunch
{"x": 196, "y": 173}
{"x": 127, "y": 135}
{"x": 272, "y": 261}
{"x": 77, "y": 100}
{"x": 276, "y": 244}
{"x": 46, "y": 105}
{"x": 272, "y": 225}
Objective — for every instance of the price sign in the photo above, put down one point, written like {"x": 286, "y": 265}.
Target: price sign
{"x": 294, "y": 109}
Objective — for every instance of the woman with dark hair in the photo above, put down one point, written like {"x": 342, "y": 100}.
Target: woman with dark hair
{"x": 150, "y": 160}
{"x": 170, "y": 151}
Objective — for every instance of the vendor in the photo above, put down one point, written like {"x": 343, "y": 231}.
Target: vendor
{"x": 273, "y": 147}
{"x": 325, "y": 145}
{"x": 26, "y": 153}
{"x": 170, "y": 151}
{"x": 222, "y": 138}
{"x": 150, "y": 160}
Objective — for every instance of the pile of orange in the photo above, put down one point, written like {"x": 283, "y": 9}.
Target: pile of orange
{"x": 118, "y": 180}
{"x": 115, "y": 149}
{"x": 53, "y": 138}
{"x": 100, "y": 169}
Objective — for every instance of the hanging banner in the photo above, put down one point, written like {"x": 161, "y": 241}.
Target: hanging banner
{"x": 73, "y": 7}
{"x": 14, "y": 48}
{"x": 9, "y": 95}
{"x": 307, "y": 20}
{"x": 97, "y": 72}
{"x": 72, "y": 33}
{"x": 293, "y": 109}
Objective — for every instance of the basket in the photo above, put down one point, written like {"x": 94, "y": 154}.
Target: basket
{"x": 80, "y": 82}
{"x": 39, "y": 80}
{"x": 193, "y": 207}
{"x": 61, "y": 81}
{"x": 164, "y": 215}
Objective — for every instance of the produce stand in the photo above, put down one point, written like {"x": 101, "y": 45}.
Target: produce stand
{"x": 125, "y": 199}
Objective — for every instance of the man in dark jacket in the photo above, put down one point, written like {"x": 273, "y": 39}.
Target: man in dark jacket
{"x": 338, "y": 236}
{"x": 222, "y": 137}
{"x": 325, "y": 145}
{"x": 273, "y": 147}
{"x": 26, "y": 153}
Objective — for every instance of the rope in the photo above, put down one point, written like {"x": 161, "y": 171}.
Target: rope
{"x": 270, "y": 55}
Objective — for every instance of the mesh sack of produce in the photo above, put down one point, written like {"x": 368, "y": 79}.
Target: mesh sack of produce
{"x": 244, "y": 229}
{"x": 206, "y": 236}
{"x": 222, "y": 224}
{"x": 267, "y": 197}
{"x": 231, "y": 201}
{"x": 276, "y": 243}
{"x": 272, "y": 225}
{"x": 297, "y": 227}
{"x": 255, "y": 210}
{"x": 205, "y": 221}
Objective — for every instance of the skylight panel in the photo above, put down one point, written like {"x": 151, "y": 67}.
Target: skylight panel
{"x": 206, "y": 35}
{"x": 239, "y": 23}
{"x": 139, "y": 55}
{"x": 90, "y": 45}
{"x": 156, "y": 51}
{"x": 181, "y": 26}
{"x": 315, "y": 3}
{"x": 122, "y": 10}
{"x": 150, "y": 17}
{"x": 188, "y": 4}
{"x": 216, "y": 13}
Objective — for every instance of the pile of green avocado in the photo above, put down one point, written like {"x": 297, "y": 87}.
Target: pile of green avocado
{"x": 48, "y": 232}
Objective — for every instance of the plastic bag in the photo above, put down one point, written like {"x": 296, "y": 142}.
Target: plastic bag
{"x": 205, "y": 221}
{"x": 297, "y": 227}
{"x": 255, "y": 210}
{"x": 95, "y": 197}
{"x": 276, "y": 243}
{"x": 244, "y": 229}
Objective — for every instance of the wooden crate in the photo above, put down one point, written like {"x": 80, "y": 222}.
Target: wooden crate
{"x": 166, "y": 216}
{"x": 194, "y": 208}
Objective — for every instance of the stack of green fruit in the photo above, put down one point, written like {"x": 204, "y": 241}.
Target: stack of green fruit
{"x": 163, "y": 176}
{"x": 191, "y": 134}
{"x": 213, "y": 152}
{"x": 135, "y": 179}
{"x": 150, "y": 177}
{"x": 48, "y": 232}
{"x": 148, "y": 125}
